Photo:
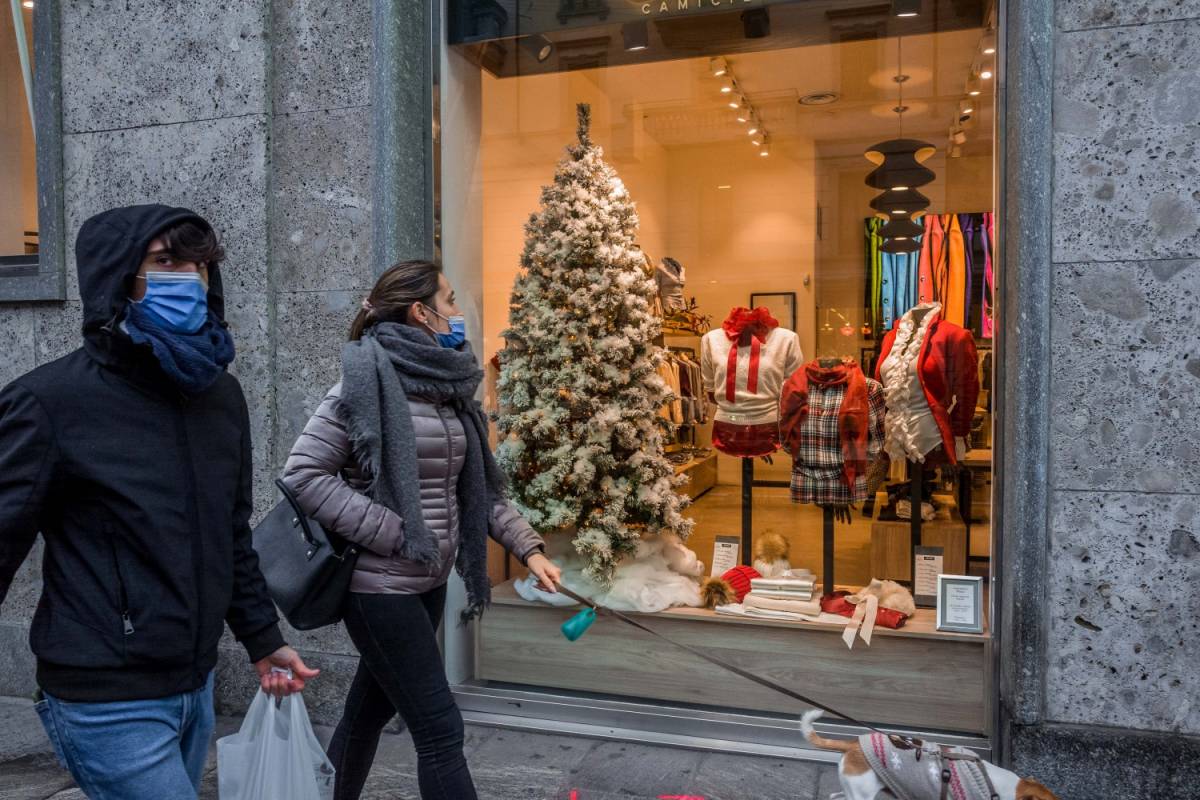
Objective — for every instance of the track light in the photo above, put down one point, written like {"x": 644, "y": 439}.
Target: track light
{"x": 718, "y": 66}
{"x": 756, "y": 23}
{"x": 959, "y": 137}
{"x": 906, "y": 8}
{"x": 764, "y": 149}
{"x": 988, "y": 43}
{"x": 727, "y": 86}
{"x": 986, "y": 74}
{"x": 974, "y": 88}
{"x": 738, "y": 102}
{"x": 636, "y": 35}
{"x": 538, "y": 46}
{"x": 966, "y": 107}
{"x": 743, "y": 116}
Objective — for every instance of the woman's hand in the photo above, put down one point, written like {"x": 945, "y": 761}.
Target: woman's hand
{"x": 546, "y": 571}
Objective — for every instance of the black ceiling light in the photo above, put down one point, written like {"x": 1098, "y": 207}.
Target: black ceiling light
{"x": 907, "y": 203}
{"x": 899, "y": 164}
{"x": 538, "y": 46}
{"x": 900, "y": 244}
{"x": 898, "y": 172}
{"x": 901, "y": 227}
{"x": 756, "y": 23}
{"x": 636, "y": 35}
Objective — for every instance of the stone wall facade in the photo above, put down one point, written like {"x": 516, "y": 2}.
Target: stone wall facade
{"x": 262, "y": 116}
{"x": 257, "y": 115}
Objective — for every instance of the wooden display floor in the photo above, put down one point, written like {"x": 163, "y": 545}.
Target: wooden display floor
{"x": 915, "y": 677}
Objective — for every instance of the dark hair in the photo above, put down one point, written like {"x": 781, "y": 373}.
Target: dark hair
{"x": 394, "y": 294}
{"x": 190, "y": 241}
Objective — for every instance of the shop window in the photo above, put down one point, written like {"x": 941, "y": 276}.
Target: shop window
{"x": 829, "y": 170}
{"x": 30, "y": 221}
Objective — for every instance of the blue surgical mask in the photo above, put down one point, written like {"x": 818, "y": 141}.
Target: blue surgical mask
{"x": 458, "y": 331}
{"x": 176, "y": 301}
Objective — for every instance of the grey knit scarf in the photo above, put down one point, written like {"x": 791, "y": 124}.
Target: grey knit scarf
{"x": 379, "y": 373}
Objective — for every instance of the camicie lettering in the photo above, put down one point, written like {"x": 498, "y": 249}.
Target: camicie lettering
{"x": 645, "y": 8}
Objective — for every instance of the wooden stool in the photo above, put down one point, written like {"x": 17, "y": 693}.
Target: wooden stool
{"x": 889, "y": 547}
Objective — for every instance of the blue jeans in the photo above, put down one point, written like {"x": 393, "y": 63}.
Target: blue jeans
{"x": 134, "y": 749}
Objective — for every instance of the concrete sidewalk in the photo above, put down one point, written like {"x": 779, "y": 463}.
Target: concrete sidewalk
{"x": 507, "y": 765}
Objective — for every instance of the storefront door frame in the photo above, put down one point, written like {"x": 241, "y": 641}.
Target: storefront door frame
{"x": 1024, "y": 163}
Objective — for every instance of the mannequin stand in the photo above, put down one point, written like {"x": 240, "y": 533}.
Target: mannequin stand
{"x": 827, "y": 582}
{"x": 916, "y": 475}
{"x": 748, "y": 484}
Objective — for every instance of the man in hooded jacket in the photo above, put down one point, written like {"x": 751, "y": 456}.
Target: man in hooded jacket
{"x": 131, "y": 456}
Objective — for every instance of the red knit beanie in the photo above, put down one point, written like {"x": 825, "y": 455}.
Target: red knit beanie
{"x": 739, "y": 579}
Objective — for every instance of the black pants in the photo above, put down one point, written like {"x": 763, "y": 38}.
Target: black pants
{"x": 400, "y": 671}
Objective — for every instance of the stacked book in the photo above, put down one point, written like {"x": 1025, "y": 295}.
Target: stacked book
{"x": 794, "y": 593}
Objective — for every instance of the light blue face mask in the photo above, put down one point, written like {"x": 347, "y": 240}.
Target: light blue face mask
{"x": 458, "y": 331}
{"x": 176, "y": 301}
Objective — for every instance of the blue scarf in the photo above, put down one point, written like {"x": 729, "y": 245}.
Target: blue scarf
{"x": 193, "y": 361}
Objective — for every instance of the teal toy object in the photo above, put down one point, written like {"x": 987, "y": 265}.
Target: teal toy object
{"x": 577, "y": 625}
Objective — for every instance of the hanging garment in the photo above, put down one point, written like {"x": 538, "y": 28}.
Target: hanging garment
{"x": 744, "y": 364}
{"x": 988, "y": 300}
{"x": 831, "y": 422}
{"x": 932, "y": 247}
{"x": 874, "y": 285}
{"x": 899, "y": 284}
{"x": 670, "y": 277}
{"x": 968, "y": 223}
{"x": 943, "y": 356}
{"x": 955, "y": 297}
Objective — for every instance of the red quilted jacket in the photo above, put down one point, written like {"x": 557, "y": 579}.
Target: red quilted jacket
{"x": 949, "y": 372}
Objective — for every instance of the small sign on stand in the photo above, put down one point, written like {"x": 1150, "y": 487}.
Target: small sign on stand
{"x": 927, "y": 565}
{"x": 725, "y": 554}
{"x": 960, "y": 603}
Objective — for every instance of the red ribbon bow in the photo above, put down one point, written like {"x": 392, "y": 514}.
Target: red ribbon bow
{"x": 746, "y": 327}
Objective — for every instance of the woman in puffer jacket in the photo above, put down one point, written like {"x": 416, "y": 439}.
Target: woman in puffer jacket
{"x": 396, "y": 460}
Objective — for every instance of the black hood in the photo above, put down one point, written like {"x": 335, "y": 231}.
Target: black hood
{"x": 108, "y": 253}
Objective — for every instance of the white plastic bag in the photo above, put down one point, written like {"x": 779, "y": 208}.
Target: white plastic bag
{"x": 274, "y": 756}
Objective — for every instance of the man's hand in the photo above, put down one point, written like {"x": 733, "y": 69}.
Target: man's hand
{"x": 546, "y": 571}
{"x": 277, "y": 684}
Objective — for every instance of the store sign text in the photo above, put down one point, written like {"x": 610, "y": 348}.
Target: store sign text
{"x": 676, "y": 6}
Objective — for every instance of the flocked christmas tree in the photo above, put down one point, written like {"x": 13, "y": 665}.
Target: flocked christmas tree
{"x": 579, "y": 390}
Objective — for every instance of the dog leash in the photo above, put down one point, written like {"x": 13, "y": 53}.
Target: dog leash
{"x": 896, "y": 739}
{"x": 736, "y": 670}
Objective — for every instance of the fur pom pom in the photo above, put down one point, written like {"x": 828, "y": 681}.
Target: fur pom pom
{"x": 717, "y": 592}
{"x": 771, "y": 547}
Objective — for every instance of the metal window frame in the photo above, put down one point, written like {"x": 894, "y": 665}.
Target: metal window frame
{"x": 43, "y": 277}
{"x": 1024, "y": 168}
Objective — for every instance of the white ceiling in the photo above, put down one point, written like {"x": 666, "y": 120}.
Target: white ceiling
{"x": 680, "y": 104}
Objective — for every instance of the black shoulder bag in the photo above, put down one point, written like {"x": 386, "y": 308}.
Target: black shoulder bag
{"x": 307, "y": 569}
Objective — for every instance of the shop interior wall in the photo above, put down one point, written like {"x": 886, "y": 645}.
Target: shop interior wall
{"x": 756, "y": 236}
{"x": 963, "y": 185}
{"x": 18, "y": 173}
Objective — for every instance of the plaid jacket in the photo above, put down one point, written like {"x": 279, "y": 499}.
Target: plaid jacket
{"x": 817, "y": 469}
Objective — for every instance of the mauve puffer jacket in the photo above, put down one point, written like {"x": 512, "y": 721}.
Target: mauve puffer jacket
{"x": 329, "y": 486}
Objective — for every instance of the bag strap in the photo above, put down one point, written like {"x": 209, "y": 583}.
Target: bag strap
{"x": 301, "y": 520}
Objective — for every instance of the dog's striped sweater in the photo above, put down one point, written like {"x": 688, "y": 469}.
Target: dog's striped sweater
{"x": 915, "y": 773}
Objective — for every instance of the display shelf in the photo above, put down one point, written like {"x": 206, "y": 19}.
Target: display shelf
{"x": 914, "y": 676}
{"x": 702, "y": 472}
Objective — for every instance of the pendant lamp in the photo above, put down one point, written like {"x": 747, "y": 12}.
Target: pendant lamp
{"x": 898, "y": 172}
{"x": 899, "y": 164}
{"x": 900, "y": 245}
{"x": 901, "y": 227}
{"x": 907, "y": 203}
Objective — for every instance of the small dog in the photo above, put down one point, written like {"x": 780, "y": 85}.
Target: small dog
{"x": 860, "y": 782}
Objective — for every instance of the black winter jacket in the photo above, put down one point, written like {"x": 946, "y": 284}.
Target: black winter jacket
{"x": 141, "y": 493}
